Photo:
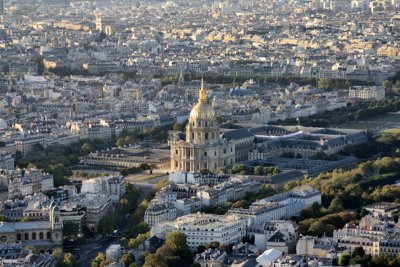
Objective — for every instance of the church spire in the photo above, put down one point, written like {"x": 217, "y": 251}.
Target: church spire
{"x": 202, "y": 93}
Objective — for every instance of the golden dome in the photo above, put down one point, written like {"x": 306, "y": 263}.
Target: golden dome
{"x": 202, "y": 110}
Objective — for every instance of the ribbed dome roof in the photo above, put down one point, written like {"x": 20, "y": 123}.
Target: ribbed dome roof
{"x": 202, "y": 110}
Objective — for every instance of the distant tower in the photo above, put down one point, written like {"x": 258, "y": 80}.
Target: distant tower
{"x": 56, "y": 234}
{"x": 55, "y": 219}
{"x": 181, "y": 80}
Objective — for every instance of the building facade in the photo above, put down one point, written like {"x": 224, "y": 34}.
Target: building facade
{"x": 203, "y": 148}
{"x": 205, "y": 228}
{"x": 40, "y": 234}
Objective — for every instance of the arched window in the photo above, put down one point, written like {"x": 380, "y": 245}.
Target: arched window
{"x": 48, "y": 235}
{"x": 41, "y": 235}
{"x": 26, "y": 236}
{"x": 33, "y": 236}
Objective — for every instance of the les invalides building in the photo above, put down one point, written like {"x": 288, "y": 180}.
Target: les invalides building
{"x": 202, "y": 147}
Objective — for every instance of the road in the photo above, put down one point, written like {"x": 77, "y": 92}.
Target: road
{"x": 90, "y": 251}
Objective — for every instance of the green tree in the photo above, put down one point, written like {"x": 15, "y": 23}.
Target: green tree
{"x": 321, "y": 155}
{"x": 387, "y": 84}
{"x": 86, "y": 148}
{"x": 98, "y": 261}
{"x": 336, "y": 205}
{"x": 222, "y": 169}
{"x": 358, "y": 251}
{"x": 127, "y": 259}
{"x": 238, "y": 168}
{"x": 201, "y": 249}
{"x": 176, "y": 240}
{"x": 178, "y": 127}
{"x": 58, "y": 254}
{"x": 68, "y": 260}
{"x": 106, "y": 225}
{"x": 141, "y": 228}
{"x": 27, "y": 219}
{"x": 143, "y": 256}
{"x": 258, "y": 170}
{"x": 70, "y": 229}
{"x": 3, "y": 218}
{"x": 137, "y": 241}
{"x": 344, "y": 260}
{"x": 324, "y": 83}
{"x": 290, "y": 185}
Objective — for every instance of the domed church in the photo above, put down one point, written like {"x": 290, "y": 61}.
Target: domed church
{"x": 202, "y": 147}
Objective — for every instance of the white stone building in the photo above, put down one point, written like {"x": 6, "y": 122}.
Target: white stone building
{"x": 112, "y": 185}
{"x": 367, "y": 93}
{"x": 160, "y": 212}
{"x": 294, "y": 200}
{"x": 97, "y": 206}
{"x": 203, "y": 228}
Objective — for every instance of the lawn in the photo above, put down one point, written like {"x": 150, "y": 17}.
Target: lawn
{"x": 373, "y": 122}
{"x": 144, "y": 177}
{"x": 393, "y": 131}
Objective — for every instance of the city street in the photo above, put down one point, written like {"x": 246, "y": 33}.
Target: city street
{"x": 90, "y": 250}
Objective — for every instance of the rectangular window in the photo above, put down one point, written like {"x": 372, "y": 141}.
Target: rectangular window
{"x": 206, "y": 136}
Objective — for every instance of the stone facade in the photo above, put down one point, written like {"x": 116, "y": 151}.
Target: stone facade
{"x": 203, "y": 148}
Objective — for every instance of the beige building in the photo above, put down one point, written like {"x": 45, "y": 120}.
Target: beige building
{"x": 203, "y": 148}
{"x": 370, "y": 92}
{"x": 38, "y": 234}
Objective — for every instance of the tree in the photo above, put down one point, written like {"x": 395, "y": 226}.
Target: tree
{"x": 344, "y": 260}
{"x": 86, "y": 148}
{"x": 201, "y": 249}
{"x": 321, "y": 155}
{"x": 70, "y": 229}
{"x": 387, "y": 84}
{"x": 324, "y": 83}
{"x": 141, "y": 228}
{"x": 127, "y": 259}
{"x": 178, "y": 127}
{"x": 100, "y": 258}
{"x": 336, "y": 205}
{"x": 143, "y": 256}
{"x": 358, "y": 251}
{"x": 290, "y": 185}
{"x": 316, "y": 228}
{"x": 106, "y": 225}
{"x": 58, "y": 254}
{"x": 137, "y": 241}
{"x": 222, "y": 169}
{"x": 176, "y": 240}
{"x": 27, "y": 219}
{"x": 258, "y": 170}
{"x": 238, "y": 168}
{"x": 68, "y": 260}
{"x": 153, "y": 260}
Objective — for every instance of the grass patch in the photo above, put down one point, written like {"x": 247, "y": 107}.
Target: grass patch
{"x": 145, "y": 177}
{"x": 393, "y": 131}
{"x": 373, "y": 122}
